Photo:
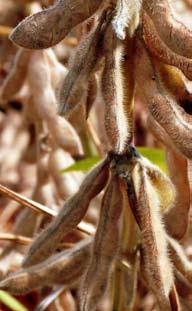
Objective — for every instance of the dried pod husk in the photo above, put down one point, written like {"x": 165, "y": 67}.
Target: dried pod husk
{"x": 174, "y": 34}
{"x": 171, "y": 116}
{"x": 70, "y": 215}
{"x": 85, "y": 63}
{"x": 48, "y": 27}
{"x": 105, "y": 248}
{"x": 176, "y": 219}
{"x": 127, "y": 16}
{"x": 15, "y": 79}
{"x": 118, "y": 91}
{"x": 160, "y": 50}
{"x": 154, "y": 251}
{"x": 65, "y": 268}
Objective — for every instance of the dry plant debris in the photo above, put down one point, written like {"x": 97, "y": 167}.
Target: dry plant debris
{"x": 128, "y": 51}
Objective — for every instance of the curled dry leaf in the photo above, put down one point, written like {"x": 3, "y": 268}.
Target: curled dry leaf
{"x": 105, "y": 248}
{"x": 65, "y": 268}
{"x": 70, "y": 215}
{"x": 48, "y": 27}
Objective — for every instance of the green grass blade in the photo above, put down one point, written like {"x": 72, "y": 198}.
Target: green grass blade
{"x": 11, "y": 302}
{"x": 155, "y": 155}
{"x": 82, "y": 165}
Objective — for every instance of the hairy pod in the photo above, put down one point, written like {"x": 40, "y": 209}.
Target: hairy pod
{"x": 171, "y": 116}
{"x": 172, "y": 32}
{"x": 48, "y": 27}
{"x": 65, "y": 268}
{"x": 154, "y": 252}
{"x": 85, "y": 62}
{"x": 118, "y": 89}
{"x": 159, "y": 49}
{"x": 127, "y": 16}
{"x": 105, "y": 248}
{"x": 70, "y": 215}
{"x": 179, "y": 258}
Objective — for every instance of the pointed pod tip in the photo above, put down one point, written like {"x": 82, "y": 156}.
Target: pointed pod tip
{"x": 22, "y": 36}
{"x": 32, "y": 33}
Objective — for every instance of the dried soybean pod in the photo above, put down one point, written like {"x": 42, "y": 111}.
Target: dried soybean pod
{"x": 15, "y": 79}
{"x": 118, "y": 89}
{"x": 175, "y": 35}
{"x": 44, "y": 100}
{"x": 171, "y": 117}
{"x": 159, "y": 49}
{"x": 158, "y": 131}
{"x": 154, "y": 243}
{"x": 91, "y": 94}
{"x": 179, "y": 258}
{"x": 176, "y": 219}
{"x": 85, "y": 63}
{"x": 48, "y": 27}
{"x": 105, "y": 248}
{"x": 70, "y": 215}
{"x": 64, "y": 268}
